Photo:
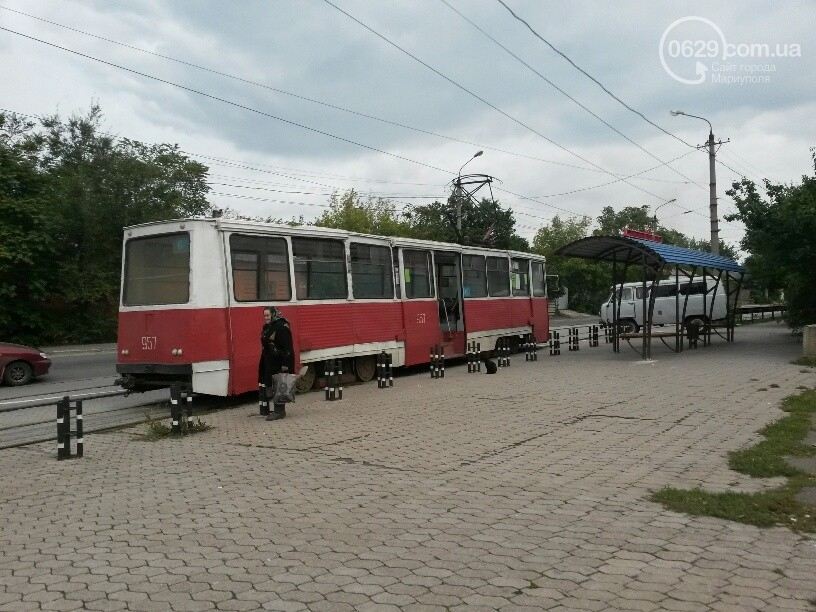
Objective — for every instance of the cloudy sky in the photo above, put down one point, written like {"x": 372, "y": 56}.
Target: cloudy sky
{"x": 745, "y": 66}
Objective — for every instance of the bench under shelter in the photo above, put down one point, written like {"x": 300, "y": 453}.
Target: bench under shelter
{"x": 657, "y": 261}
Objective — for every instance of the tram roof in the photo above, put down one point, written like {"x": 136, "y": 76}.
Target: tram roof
{"x": 637, "y": 251}
{"x": 311, "y": 230}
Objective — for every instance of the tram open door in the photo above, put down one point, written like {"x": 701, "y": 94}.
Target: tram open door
{"x": 449, "y": 297}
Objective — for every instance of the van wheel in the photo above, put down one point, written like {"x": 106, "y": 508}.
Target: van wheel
{"x": 627, "y": 326}
{"x": 307, "y": 381}
{"x": 365, "y": 367}
{"x": 695, "y": 322}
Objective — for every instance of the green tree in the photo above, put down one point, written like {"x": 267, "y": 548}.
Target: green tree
{"x": 91, "y": 186}
{"x": 376, "y": 216}
{"x": 587, "y": 281}
{"x": 485, "y": 223}
{"x": 780, "y": 234}
{"x": 27, "y": 235}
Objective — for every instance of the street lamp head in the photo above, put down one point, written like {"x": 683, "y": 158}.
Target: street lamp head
{"x": 674, "y": 113}
{"x": 478, "y": 154}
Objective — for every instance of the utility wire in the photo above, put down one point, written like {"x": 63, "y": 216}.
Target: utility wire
{"x": 566, "y": 94}
{"x": 486, "y": 102}
{"x": 590, "y": 77}
{"x": 294, "y": 95}
{"x": 227, "y": 101}
{"x": 580, "y": 189}
{"x": 602, "y": 86}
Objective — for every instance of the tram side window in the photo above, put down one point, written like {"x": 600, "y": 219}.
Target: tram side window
{"x": 260, "y": 269}
{"x": 320, "y": 269}
{"x": 521, "y": 276}
{"x": 417, "y": 266}
{"x": 157, "y": 270}
{"x": 371, "y": 275}
{"x": 474, "y": 276}
{"x": 539, "y": 283}
{"x": 498, "y": 277}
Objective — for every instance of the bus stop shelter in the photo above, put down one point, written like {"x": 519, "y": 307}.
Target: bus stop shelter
{"x": 650, "y": 261}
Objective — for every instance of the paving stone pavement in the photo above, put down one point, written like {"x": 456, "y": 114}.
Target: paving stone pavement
{"x": 526, "y": 490}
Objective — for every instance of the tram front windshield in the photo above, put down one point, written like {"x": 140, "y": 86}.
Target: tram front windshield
{"x": 157, "y": 270}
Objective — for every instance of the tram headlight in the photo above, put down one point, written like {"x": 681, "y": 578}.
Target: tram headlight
{"x": 125, "y": 352}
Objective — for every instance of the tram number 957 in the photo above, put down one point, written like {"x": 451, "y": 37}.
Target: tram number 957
{"x": 148, "y": 343}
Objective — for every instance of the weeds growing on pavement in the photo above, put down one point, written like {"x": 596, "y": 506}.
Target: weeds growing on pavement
{"x": 158, "y": 429}
{"x": 765, "y": 459}
{"x": 809, "y": 362}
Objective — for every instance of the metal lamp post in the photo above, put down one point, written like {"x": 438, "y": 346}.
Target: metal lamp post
{"x": 654, "y": 214}
{"x": 712, "y": 185}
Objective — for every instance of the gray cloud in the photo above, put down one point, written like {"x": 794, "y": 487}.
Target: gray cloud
{"x": 311, "y": 49}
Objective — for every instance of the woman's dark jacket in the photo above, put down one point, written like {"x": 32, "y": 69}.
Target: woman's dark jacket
{"x": 276, "y": 350}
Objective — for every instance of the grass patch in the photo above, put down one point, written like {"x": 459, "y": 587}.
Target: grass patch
{"x": 158, "y": 429}
{"x": 809, "y": 362}
{"x": 763, "y": 460}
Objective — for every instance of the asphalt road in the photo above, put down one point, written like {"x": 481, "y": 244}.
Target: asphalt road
{"x": 74, "y": 371}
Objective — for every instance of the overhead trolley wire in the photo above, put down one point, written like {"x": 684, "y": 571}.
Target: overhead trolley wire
{"x": 566, "y": 94}
{"x": 487, "y": 102}
{"x": 602, "y": 86}
{"x": 295, "y": 95}
{"x": 227, "y": 101}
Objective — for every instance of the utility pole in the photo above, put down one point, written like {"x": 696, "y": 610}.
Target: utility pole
{"x": 712, "y": 184}
{"x": 712, "y": 194}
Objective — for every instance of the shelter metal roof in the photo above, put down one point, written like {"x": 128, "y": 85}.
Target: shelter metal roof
{"x": 657, "y": 254}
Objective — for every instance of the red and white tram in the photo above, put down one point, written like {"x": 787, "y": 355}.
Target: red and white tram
{"x": 193, "y": 291}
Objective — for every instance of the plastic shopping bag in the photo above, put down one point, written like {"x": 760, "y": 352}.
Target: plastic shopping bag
{"x": 284, "y": 388}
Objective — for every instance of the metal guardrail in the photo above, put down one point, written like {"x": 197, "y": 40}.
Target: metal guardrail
{"x": 51, "y": 400}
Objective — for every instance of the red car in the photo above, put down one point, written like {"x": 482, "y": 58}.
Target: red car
{"x": 20, "y": 364}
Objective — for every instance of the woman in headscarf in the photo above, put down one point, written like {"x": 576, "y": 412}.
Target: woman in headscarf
{"x": 277, "y": 355}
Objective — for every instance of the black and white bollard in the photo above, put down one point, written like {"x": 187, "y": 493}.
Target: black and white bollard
{"x": 385, "y": 372}
{"x": 474, "y": 357}
{"x": 593, "y": 336}
{"x": 187, "y": 404}
{"x": 437, "y": 361}
{"x": 334, "y": 385}
{"x": 530, "y": 348}
{"x": 263, "y": 400}
{"x": 175, "y": 409}
{"x": 64, "y": 428}
{"x": 503, "y": 353}
{"x": 555, "y": 343}
{"x": 574, "y": 339}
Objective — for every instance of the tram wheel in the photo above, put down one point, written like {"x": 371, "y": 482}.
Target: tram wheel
{"x": 365, "y": 367}
{"x": 307, "y": 381}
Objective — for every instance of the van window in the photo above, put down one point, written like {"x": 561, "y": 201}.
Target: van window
{"x": 698, "y": 288}
{"x": 320, "y": 269}
{"x": 539, "y": 281}
{"x": 521, "y": 276}
{"x": 498, "y": 277}
{"x": 474, "y": 276}
{"x": 371, "y": 275}
{"x": 417, "y": 266}
{"x": 662, "y": 291}
{"x": 627, "y": 295}
{"x": 260, "y": 269}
